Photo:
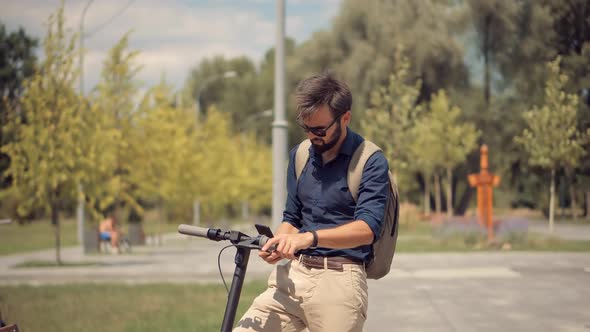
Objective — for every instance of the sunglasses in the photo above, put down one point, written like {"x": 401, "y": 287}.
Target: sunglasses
{"x": 317, "y": 131}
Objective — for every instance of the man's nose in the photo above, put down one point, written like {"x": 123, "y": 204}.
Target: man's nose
{"x": 311, "y": 135}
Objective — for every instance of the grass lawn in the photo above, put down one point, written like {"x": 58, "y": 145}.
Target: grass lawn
{"x": 15, "y": 238}
{"x": 53, "y": 263}
{"x": 424, "y": 237}
{"x": 113, "y": 307}
{"x": 417, "y": 237}
{"x": 40, "y": 234}
{"x": 468, "y": 243}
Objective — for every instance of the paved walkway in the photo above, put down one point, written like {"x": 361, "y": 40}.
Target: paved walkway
{"x": 490, "y": 291}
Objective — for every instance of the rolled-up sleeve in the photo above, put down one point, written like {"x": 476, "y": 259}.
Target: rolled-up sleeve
{"x": 292, "y": 213}
{"x": 373, "y": 193}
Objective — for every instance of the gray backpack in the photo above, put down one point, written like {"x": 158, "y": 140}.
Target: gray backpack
{"x": 384, "y": 247}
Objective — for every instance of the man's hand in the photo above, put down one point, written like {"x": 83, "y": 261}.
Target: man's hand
{"x": 286, "y": 246}
{"x": 271, "y": 258}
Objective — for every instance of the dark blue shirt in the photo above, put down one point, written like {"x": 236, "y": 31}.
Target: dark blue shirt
{"x": 321, "y": 198}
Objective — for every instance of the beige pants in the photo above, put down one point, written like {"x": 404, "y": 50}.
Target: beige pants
{"x": 317, "y": 299}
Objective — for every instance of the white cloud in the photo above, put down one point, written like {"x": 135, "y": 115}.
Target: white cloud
{"x": 172, "y": 37}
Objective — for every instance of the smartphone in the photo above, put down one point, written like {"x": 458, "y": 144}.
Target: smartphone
{"x": 264, "y": 230}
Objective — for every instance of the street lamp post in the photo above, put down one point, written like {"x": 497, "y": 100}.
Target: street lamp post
{"x": 279, "y": 125}
{"x": 202, "y": 87}
{"x": 80, "y": 209}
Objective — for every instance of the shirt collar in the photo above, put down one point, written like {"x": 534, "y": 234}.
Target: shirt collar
{"x": 347, "y": 147}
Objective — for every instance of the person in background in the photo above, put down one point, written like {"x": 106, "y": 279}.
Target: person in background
{"x": 110, "y": 232}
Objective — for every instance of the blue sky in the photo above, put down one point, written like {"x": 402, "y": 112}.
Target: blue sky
{"x": 174, "y": 36}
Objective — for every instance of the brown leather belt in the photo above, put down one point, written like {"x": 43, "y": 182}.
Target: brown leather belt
{"x": 333, "y": 263}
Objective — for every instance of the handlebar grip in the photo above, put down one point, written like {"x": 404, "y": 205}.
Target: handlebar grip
{"x": 262, "y": 241}
{"x": 193, "y": 230}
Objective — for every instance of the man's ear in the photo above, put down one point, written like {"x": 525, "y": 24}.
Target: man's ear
{"x": 347, "y": 117}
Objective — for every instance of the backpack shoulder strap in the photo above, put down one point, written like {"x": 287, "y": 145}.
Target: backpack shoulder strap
{"x": 301, "y": 157}
{"x": 357, "y": 163}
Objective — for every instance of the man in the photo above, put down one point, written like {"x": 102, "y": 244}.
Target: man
{"x": 325, "y": 235}
{"x": 110, "y": 232}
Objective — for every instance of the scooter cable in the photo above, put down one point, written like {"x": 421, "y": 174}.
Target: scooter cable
{"x": 219, "y": 266}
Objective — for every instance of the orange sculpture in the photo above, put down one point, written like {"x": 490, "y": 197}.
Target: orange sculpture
{"x": 484, "y": 181}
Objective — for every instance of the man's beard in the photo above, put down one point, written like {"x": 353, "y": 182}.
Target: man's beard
{"x": 323, "y": 147}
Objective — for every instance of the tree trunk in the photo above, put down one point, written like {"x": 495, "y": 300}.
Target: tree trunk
{"x": 245, "y": 210}
{"x": 486, "y": 59}
{"x": 196, "y": 212}
{"x": 426, "y": 195}
{"x": 55, "y": 223}
{"x": 449, "y": 192}
{"x": 158, "y": 236}
{"x": 552, "y": 200}
{"x": 437, "y": 193}
{"x": 464, "y": 200}
{"x": 573, "y": 202}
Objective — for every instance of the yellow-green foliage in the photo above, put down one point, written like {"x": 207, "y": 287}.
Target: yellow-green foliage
{"x": 123, "y": 152}
{"x": 167, "y": 156}
{"x": 234, "y": 168}
{"x": 111, "y": 127}
{"x": 551, "y": 138}
{"x": 253, "y": 167}
{"x": 46, "y": 157}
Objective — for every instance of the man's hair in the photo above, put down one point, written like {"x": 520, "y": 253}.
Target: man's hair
{"x": 322, "y": 89}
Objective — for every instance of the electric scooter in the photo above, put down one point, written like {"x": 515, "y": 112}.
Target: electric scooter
{"x": 244, "y": 244}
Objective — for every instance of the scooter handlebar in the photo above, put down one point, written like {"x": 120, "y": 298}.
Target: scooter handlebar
{"x": 262, "y": 239}
{"x": 193, "y": 230}
{"x": 218, "y": 235}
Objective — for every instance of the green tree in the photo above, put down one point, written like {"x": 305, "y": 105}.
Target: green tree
{"x": 253, "y": 171}
{"x": 551, "y": 138}
{"x": 167, "y": 162}
{"x": 495, "y": 23}
{"x": 392, "y": 114}
{"x": 17, "y": 62}
{"x": 572, "y": 41}
{"x": 455, "y": 139}
{"x": 46, "y": 158}
{"x": 112, "y": 126}
{"x": 216, "y": 185}
{"x": 365, "y": 35}
{"x": 423, "y": 145}
{"x": 544, "y": 29}
{"x": 207, "y": 83}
